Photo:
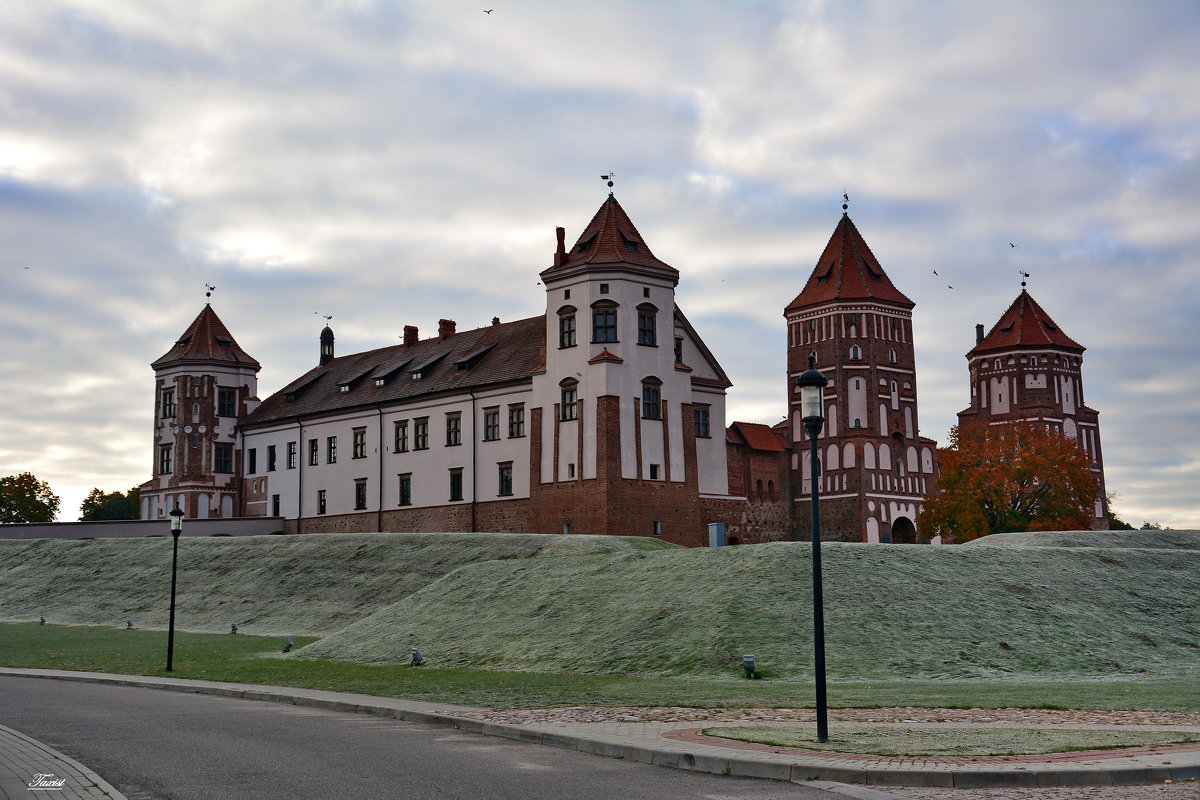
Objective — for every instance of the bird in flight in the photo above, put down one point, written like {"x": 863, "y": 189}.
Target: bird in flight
{"x": 488, "y": 10}
{"x": 935, "y": 272}
{"x": 1010, "y": 244}
{"x": 948, "y": 286}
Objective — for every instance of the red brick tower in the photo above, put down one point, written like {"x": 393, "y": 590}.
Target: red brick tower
{"x": 876, "y": 467}
{"x": 204, "y": 385}
{"x": 1026, "y": 368}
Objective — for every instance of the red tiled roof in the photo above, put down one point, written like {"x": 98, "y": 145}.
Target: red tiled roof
{"x": 759, "y": 437}
{"x": 604, "y": 355}
{"x": 491, "y": 355}
{"x": 206, "y": 339}
{"x": 611, "y": 238}
{"x": 848, "y": 270}
{"x": 1025, "y": 324}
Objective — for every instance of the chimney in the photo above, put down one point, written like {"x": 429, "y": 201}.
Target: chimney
{"x": 560, "y": 256}
{"x": 979, "y": 333}
{"x": 410, "y": 334}
{"x": 495, "y": 320}
{"x": 445, "y": 328}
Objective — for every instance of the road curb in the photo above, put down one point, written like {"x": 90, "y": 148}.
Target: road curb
{"x": 805, "y": 770}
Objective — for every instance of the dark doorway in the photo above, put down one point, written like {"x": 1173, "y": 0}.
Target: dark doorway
{"x": 903, "y": 531}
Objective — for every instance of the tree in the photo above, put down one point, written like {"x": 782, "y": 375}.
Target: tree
{"x": 1019, "y": 476}
{"x": 23, "y": 498}
{"x": 100, "y": 505}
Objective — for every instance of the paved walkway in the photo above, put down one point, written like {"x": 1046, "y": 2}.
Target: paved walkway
{"x": 30, "y": 769}
{"x": 672, "y": 744}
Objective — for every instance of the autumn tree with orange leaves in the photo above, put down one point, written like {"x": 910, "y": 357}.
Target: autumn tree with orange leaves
{"x": 1019, "y": 476}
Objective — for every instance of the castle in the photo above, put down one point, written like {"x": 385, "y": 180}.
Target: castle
{"x": 605, "y": 414}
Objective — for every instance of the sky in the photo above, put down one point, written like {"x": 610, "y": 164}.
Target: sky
{"x": 392, "y": 163}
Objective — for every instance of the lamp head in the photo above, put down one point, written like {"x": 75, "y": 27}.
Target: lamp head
{"x": 811, "y": 384}
{"x": 176, "y": 520}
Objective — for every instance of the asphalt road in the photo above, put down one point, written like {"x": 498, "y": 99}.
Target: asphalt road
{"x": 159, "y": 745}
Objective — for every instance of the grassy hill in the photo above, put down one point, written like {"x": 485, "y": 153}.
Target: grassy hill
{"x": 891, "y": 612}
{"x": 313, "y": 584}
{"x": 1022, "y": 605}
{"x": 1158, "y": 540}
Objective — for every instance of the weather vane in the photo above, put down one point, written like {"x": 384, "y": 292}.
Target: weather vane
{"x": 845, "y": 200}
{"x": 210, "y": 288}
{"x": 609, "y": 178}
{"x": 1024, "y": 275}
{"x": 326, "y": 317}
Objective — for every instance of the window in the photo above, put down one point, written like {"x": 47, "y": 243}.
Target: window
{"x": 516, "y": 421}
{"x": 997, "y": 365}
{"x": 647, "y": 334}
{"x": 195, "y": 441}
{"x": 491, "y": 424}
{"x": 604, "y": 288}
{"x": 359, "y": 443}
{"x": 421, "y": 433}
{"x": 291, "y": 454}
{"x": 164, "y": 459}
{"x": 400, "y": 435}
{"x": 651, "y": 398}
{"x": 314, "y": 457}
{"x": 854, "y": 319}
{"x": 405, "y": 488}
{"x": 855, "y": 352}
{"x": 569, "y": 409}
{"x": 331, "y": 450}
{"x": 453, "y": 429}
{"x": 321, "y": 505}
{"x": 630, "y": 244}
{"x": 892, "y": 356}
{"x": 275, "y": 506}
{"x": 654, "y": 472}
{"x": 360, "y": 494}
{"x": 270, "y": 458}
{"x": 504, "y": 480}
{"x": 656, "y": 528}
{"x": 168, "y": 403}
{"x": 1033, "y": 361}
{"x": 456, "y": 492}
{"x": 645, "y": 291}
{"x": 195, "y": 412}
{"x": 701, "y": 415}
{"x": 251, "y": 461}
{"x": 566, "y": 326}
{"x": 604, "y": 321}
{"x": 570, "y": 470}
{"x": 226, "y": 402}
{"x": 679, "y": 349}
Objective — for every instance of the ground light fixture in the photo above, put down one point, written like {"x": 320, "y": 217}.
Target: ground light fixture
{"x": 750, "y": 664}
{"x": 811, "y": 385}
{"x": 176, "y": 529}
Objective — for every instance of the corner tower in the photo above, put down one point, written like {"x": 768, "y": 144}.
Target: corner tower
{"x": 628, "y": 419}
{"x": 876, "y": 467}
{"x": 203, "y": 385}
{"x": 1028, "y": 369}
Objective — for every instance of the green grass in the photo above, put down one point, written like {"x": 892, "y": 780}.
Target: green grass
{"x": 906, "y": 611}
{"x": 255, "y": 659}
{"x": 288, "y": 585}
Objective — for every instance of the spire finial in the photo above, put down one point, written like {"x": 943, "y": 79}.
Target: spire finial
{"x": 1024, "y": 275}
{"x": 210, "y": 289}
{"x": 845, "y": 201}
{"x": 609, "y": 178}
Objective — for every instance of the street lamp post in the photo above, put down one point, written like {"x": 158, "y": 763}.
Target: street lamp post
{"x": 176, "y": 529}
{"x": 811, "y": 384}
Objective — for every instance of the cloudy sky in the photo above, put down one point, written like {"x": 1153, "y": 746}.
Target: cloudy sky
{"x": 391, "y": 163}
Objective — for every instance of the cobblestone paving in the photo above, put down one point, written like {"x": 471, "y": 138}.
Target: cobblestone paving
{"x": 1187, "y": 790}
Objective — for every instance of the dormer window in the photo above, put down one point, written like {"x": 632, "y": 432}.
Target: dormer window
{"x": 379, "y": 381}
{"x": 586, "y": 244}
{"x": 631, "y": 244}
{"x": 344, "y": 388}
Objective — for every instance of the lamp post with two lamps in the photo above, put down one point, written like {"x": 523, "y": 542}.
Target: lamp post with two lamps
{"x": 811, "y": 384}
{"x": 176, "y": 529}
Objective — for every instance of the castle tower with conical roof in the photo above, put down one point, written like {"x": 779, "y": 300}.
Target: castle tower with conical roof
{"x": 203, "y": 385}
{"x": 1027, "y": 369}
{"x": 876, "y": 468}
{"x": 627, "y": 420}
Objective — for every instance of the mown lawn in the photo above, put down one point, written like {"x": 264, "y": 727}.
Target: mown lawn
{"x": 255, "y": 659}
